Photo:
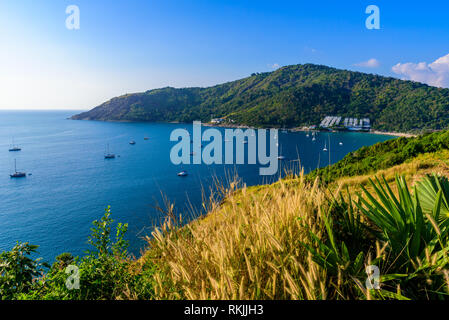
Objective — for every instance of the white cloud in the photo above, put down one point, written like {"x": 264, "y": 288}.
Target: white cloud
{"x": 434, "y": 74}
{"x": 274, "y": 66}
{"x": 371, "y": 63}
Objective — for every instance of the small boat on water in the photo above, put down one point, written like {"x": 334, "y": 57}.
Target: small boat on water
{"x": 132, "y": 142}
{"x": 146, "y": 138}
{"x": 325, "y": 147}
{"x": 109, "y": 155}
{"x": 16, "y": 173}
{"x": 14, "y": 148}
{"x": 183, "y": 173}
{"x": 341, "y": 143}
{"x": 281, "y": 158}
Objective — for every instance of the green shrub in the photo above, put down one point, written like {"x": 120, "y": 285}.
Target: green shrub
{"x": 18, "y": 270}
{"x": 105, "y": 272}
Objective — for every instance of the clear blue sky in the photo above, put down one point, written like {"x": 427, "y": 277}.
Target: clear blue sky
{"x": 130, "y": 46}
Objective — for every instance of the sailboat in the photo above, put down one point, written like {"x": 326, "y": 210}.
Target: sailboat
{"x": 325, "y": 147}
{"x": 14, "y": 147}
{"x": 313, "y": 136}
{"x": 109, "y": 155}
{"x": 183, "y": 173}
{"x": 16, "y": 173}
{"x": 280, "y": 157}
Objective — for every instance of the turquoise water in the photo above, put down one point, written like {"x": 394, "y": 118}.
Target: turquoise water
{"x": 71, "y": 182}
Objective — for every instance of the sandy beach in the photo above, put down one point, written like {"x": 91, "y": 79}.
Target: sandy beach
{"x": 235, "y": 126}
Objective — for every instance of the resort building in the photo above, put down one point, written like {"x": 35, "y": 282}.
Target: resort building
{"x": 217, "y": 120}
{"x": 351, "y": 124}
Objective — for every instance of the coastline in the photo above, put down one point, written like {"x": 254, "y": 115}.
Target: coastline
{"x": 397, "y": 134}
{"x": 302, "y": 129}
{"x": 241, "y": 126}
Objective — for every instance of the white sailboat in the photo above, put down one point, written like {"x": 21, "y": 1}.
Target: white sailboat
{"x": 109, "y": 155}
{"x": 183, "y": 173}
{"x": 14, "y": 148}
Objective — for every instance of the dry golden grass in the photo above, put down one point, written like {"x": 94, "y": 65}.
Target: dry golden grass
{"x": 247, "y": 248}
{"x": 413, "y": 171}
{"x": 250, "y": 245}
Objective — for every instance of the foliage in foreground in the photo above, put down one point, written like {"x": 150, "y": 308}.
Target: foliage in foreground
{"x": 299, "y": 242}
{"x": 289, "y": 240}
{"x": 104, "y": 272}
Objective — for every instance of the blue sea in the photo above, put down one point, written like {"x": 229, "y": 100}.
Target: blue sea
{"x": 71, "y": 183}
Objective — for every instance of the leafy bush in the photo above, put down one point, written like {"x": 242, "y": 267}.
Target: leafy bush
{"x": 18, "y": 270}
{"x": 410, "y": 232}
{"x": 408, "y": 242}
{"x": 104, "y": 273}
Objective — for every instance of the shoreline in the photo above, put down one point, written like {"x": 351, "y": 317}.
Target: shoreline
{"x": 397, "y": 134}
{"x": 241, "y": 126}
{"x": 304, "y": 129}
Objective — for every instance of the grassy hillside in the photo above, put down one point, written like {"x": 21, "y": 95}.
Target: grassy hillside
{"x": 290, "y": 96}
{"x": 295, "y": 239}
{"x": 368, "y": 160}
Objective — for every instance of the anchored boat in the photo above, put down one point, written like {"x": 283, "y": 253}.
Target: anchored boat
{"x": 16, "y": 173}
{"x": 183, "y": 173}
{"x": 109, "y": 155}
{"x": 14, "y": 148}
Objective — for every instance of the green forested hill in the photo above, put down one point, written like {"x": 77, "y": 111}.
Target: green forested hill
{"x": 290, "y": 96}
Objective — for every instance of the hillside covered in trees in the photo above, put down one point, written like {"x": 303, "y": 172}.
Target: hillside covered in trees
{"x": 291, "y": 96}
